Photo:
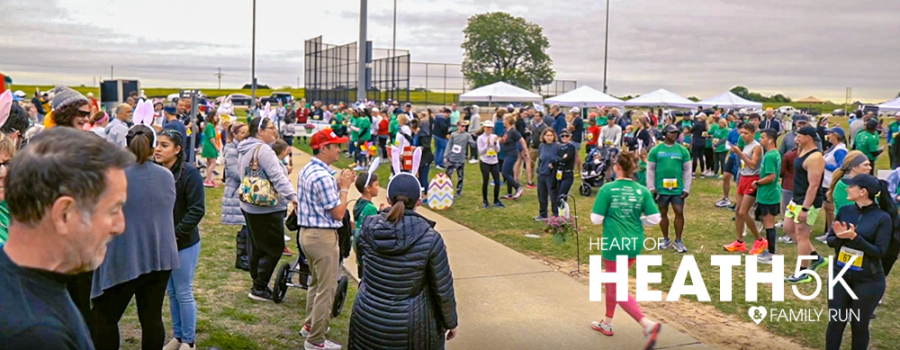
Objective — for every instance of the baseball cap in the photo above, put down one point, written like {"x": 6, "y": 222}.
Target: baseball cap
{"x": 670, "y": 128}
{"x": 325, "y": 137}
{"x": 565, "y": 132}
{"x": 897, "y": 114}
{"x": 837, "y": 130}
{"x": 807, "y": 131}
{"x": 871, "y": 124}
{"x": 575, "y": 110}
{"x": 869, "y": 182}
{"x": 405, "y": 184}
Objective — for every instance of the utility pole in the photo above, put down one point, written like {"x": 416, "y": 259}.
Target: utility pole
{"x": 253, "y": 61}
{"x": 606, "y": 47}
{"x": 363, "y": 49}
{"x": 298, "y": 82}
{"x": 220, "y": 77}
{"x": 111, "y": 72}
{"x": 394, "y": 93}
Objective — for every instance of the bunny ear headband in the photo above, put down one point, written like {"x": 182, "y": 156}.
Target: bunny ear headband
{"x": 143, "y": 115}
{"x": 264, "y": 114}
{"x": 6, "y": 100}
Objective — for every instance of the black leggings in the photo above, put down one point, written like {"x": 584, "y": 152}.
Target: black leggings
{"x": 488, "y": 171}
{"x": 719, "y": 162}
{"x": 149, "y": 290}
{"x": 382, "y": 145}
{"x": 565, "y": 184}
{"x": 267, "y": 242}
{"x": 708, "y": 156}
{"x": 868, "y": 292}
{"x": 697, "y": 158}
{"x": 509, "y": 165}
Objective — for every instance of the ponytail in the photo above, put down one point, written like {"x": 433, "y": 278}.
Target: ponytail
{"x": 835, "y": 178}
{"x": 398, "y": 209}
{"x": 887, "y": 204}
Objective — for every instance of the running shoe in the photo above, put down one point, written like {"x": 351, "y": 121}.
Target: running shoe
{"x": 759, "y": 246}
{"x": 519, "y": 193}
{"x": 666, "y": 244}
{"x": 486, "y": 205}
{"x": 440, "y": 167}
{"x": 732, "y": 206}
{"x": 328, "y": 345}
{"x": 260, "y": 295}
{"x": 764, "y": 258}
{"x": 531, "y": 186}
{"x": 209, "y": 184}
{"x": 287, "y": 252}
{"x": 602, "y": 327}
{"x": 499, "y": 205}
{"x": 473, "y": 161}
{"x": 652, "y": 333}
{"x": 360, "y": 168}
{"x": 822, "y": 238}
{"x": 540, "y": 218}
{"x": 794, "y": 279}
{"x": 304, "y": 332}
{"x": 785, "y": 239}
{"x": 724, "y": 202}
{"x": 679, "y": 246}
{"x": 816, "y": 265}
{"x": 736, "y": 247}
{"x": 507, "y": 196}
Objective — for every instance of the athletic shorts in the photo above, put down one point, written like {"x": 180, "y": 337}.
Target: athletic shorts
{"x": 731, "y": 165}
{"x": 745, "y": 185}
{"x": 663, "y": 200}
{"x": 794, "y": 210}
{"x": 577, "y": 146}
{"x": 767, "y": 209}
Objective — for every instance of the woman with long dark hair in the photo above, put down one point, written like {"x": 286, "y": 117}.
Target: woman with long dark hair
{"x": 139, "y": 262}
{"x": 408, "y": 289}
{"x": 189, "y": 209}
{"x": 265, "y": 223}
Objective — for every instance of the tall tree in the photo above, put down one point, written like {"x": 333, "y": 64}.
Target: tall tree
{"x": 501, "y": 47}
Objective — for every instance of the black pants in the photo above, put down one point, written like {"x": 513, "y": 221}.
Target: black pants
{"x": 719, "y": 162}
{"x": 509, "y": 165}
{"x": 244, "y": 249}
{"x": 460, "y": 175}
{"x": 149, "y": 290}
{"x": 289, "y": 140}
{"x": 547, "y": 190}
{"x": 80, "y": 290}
{"x": 267, "y": 244}
{"x": 473, "y": 149}
{"x": 868, "y": 292}
{"x": 382, "y": 145}
{"x": 697, "y": 158}
{"x": 488, "y": 171}
{"x": 565, "y": 184}
{"x": 708, "y": 156}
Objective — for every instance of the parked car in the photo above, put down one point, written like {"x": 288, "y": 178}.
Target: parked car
{"x": 240, "y": 100}
{"x": 839, "y": 112}
{"x": 282, "y": 97}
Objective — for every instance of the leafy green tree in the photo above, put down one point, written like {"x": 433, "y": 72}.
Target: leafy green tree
{"x": 694, "y": 98}
{"x": 501, "y": 47}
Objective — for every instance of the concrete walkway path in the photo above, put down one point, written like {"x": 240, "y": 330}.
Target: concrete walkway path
{"x": 507, "y": 300}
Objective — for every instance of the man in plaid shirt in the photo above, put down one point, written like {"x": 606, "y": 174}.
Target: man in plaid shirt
{"x": 322, "y": 204}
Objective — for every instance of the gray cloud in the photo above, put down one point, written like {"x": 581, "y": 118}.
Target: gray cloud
{"x": 693, "y": 47}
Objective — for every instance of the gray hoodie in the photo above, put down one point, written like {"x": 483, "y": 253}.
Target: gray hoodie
{"x": 271, "y": 166}
{"x": 458, "y": 147}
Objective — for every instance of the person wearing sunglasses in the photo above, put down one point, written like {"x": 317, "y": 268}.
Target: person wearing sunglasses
{"x": 70, "y": 108}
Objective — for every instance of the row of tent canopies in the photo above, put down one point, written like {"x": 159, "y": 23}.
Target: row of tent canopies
{"x": 587, "y": 96}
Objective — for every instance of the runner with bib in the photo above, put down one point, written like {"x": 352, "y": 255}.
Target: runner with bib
{"x": 768, "y": 194}
{"x": 669, "y": 179}
{"x": 749, "y": 157}
{"x": 803, "y": 210}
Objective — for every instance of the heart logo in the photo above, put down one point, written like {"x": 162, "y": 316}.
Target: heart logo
{"x": 757, "y": 314}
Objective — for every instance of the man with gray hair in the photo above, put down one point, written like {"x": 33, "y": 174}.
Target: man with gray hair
{"x": 57, "y": 232}
{"x": 118, "y": 127}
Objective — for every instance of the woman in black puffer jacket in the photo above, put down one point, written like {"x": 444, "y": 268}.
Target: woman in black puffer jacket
{"x": 406, "y": 300}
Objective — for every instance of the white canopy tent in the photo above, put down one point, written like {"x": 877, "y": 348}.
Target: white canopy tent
{"x": 661, "y": 98}
{"x": 500, "y": 92}
{"x": 729, "y": 100}
{"x": 890, "y": 106}
{"x": 584, "y": 97}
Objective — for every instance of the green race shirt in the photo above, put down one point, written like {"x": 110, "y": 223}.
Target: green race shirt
{"x": 602, "y": 121}
{"x": 365, "y": 128}
{"x": 642, "y": 173}
{"x": 354, "y": 135}
{"x": 721, "y": 133}
{"x": 669, "y": 173}
{"x": 840, "y": 196}
{"x": 894, "y": 129}
{"x": 622, "y": 203}
{"x": 867, "y": 143}
{"x": 711, "y": 132}
{"x": 770, "y": 193}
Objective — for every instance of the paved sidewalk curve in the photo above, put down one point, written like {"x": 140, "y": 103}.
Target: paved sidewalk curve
{"x": 507, "y": 300}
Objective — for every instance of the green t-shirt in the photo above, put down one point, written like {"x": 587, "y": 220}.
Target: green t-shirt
{"x": 394, "y": 125}
{"x": 711, "y": 132}
{"x": 4, "y": 222}
{"x": 840, "y": 196}
{"x": 362, "y": 209}
{"x": 721, "y": 133}
{"x": 642, "y": 173}
{"x": 602, "y": 120}
{"x": 669, "y": 173}
{"x": 867, "y": 143}
{"x": 365, "y": 128}
{"x": 622, "y": 203}
{"x": 732, "y": 125}
{"x": 894, "y": 129}
{"x": 454, "y": 119}
{"x": 770, "y": 194}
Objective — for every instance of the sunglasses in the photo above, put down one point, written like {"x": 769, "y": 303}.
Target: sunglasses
{"x": 566, "y": 136}
{"x": 81, "y": 113}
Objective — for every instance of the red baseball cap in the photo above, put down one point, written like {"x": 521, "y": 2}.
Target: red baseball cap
{"x": 325, "y": 137}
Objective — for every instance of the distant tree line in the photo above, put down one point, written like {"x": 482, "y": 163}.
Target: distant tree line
{"x": 755, "y": 96}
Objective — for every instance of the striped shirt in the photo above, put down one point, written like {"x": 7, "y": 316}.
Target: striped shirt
{"x": 317, "y": 194}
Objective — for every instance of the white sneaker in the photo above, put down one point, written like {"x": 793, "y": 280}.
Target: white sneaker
{"x": 304, "y": 332}
{"x": 329, "y": 345}
{"x": 785, "y": 239}
{"x": 473, "y": 161}
{"x": 779, "y": 224}
{"x": 286, "y": 238}
{"x": 173, "y": 344}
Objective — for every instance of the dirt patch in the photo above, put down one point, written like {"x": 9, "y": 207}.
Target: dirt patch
{"x": 730, "y": 332}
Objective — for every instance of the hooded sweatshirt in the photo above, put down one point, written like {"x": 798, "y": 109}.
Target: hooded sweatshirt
{"x": 457, "y": 147}
{"x": 271, "y": 166}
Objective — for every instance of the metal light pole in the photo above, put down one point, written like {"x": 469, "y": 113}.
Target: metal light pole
{"x": 606, "y": 47}
{"x": 362, "y": 48}
{"x": 253, "y": 62}
{"x": 394, "y": 57}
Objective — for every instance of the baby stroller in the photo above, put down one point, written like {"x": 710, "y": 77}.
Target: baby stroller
{"x": 595, "y": 169}
{"x": 299, "y": 267}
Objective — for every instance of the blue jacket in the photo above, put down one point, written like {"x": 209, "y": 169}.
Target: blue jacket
{"x": 559, "y": 124}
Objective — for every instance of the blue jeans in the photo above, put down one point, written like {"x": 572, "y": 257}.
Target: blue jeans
{"x": 507, "y": 170}
{"x": 424, "y": 170}
{"x": 181, "y": 295}
{"x": 440, "y": 145}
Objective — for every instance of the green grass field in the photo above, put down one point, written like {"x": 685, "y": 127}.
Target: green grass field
{"x": 707, "y": 229}
{"x": 227, "y": 318}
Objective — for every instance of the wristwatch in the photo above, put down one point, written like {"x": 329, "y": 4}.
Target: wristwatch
{"x": 805, "y": 209}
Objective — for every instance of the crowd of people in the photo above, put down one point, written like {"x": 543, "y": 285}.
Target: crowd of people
{"x": 80, "y": 248}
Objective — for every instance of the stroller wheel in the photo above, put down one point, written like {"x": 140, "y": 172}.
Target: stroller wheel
{"x": 340, "y": 296}
{"x": 281, "y": 287}
{"x": 585, "y": 190}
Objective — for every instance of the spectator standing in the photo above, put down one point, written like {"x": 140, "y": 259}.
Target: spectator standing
{"x": 118, "y": 127}
{"x": 231, "y": 204}
{"x": 547, "y": 184}
{"x": 455, "y": 157}
{"x": 834, "y": 159}
{"x": 441, "y": 133}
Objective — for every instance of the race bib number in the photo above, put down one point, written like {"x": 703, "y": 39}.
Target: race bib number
{"x": 791, "y": 206}
{"x": 608, "y": 143}
{"x": 670, "y": 184}
{"x": 491, "y": 153}
{"x": 456, "y": 149}
{"x": 715, "y": 140}
{"x": 704, "y": 134}
{"x": 590, "y": 137}
{"x": 847, "y": 254}
{"x": 559, "y": 174}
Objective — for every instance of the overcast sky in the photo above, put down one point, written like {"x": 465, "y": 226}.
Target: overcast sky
{"x": 691, "y": 47}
